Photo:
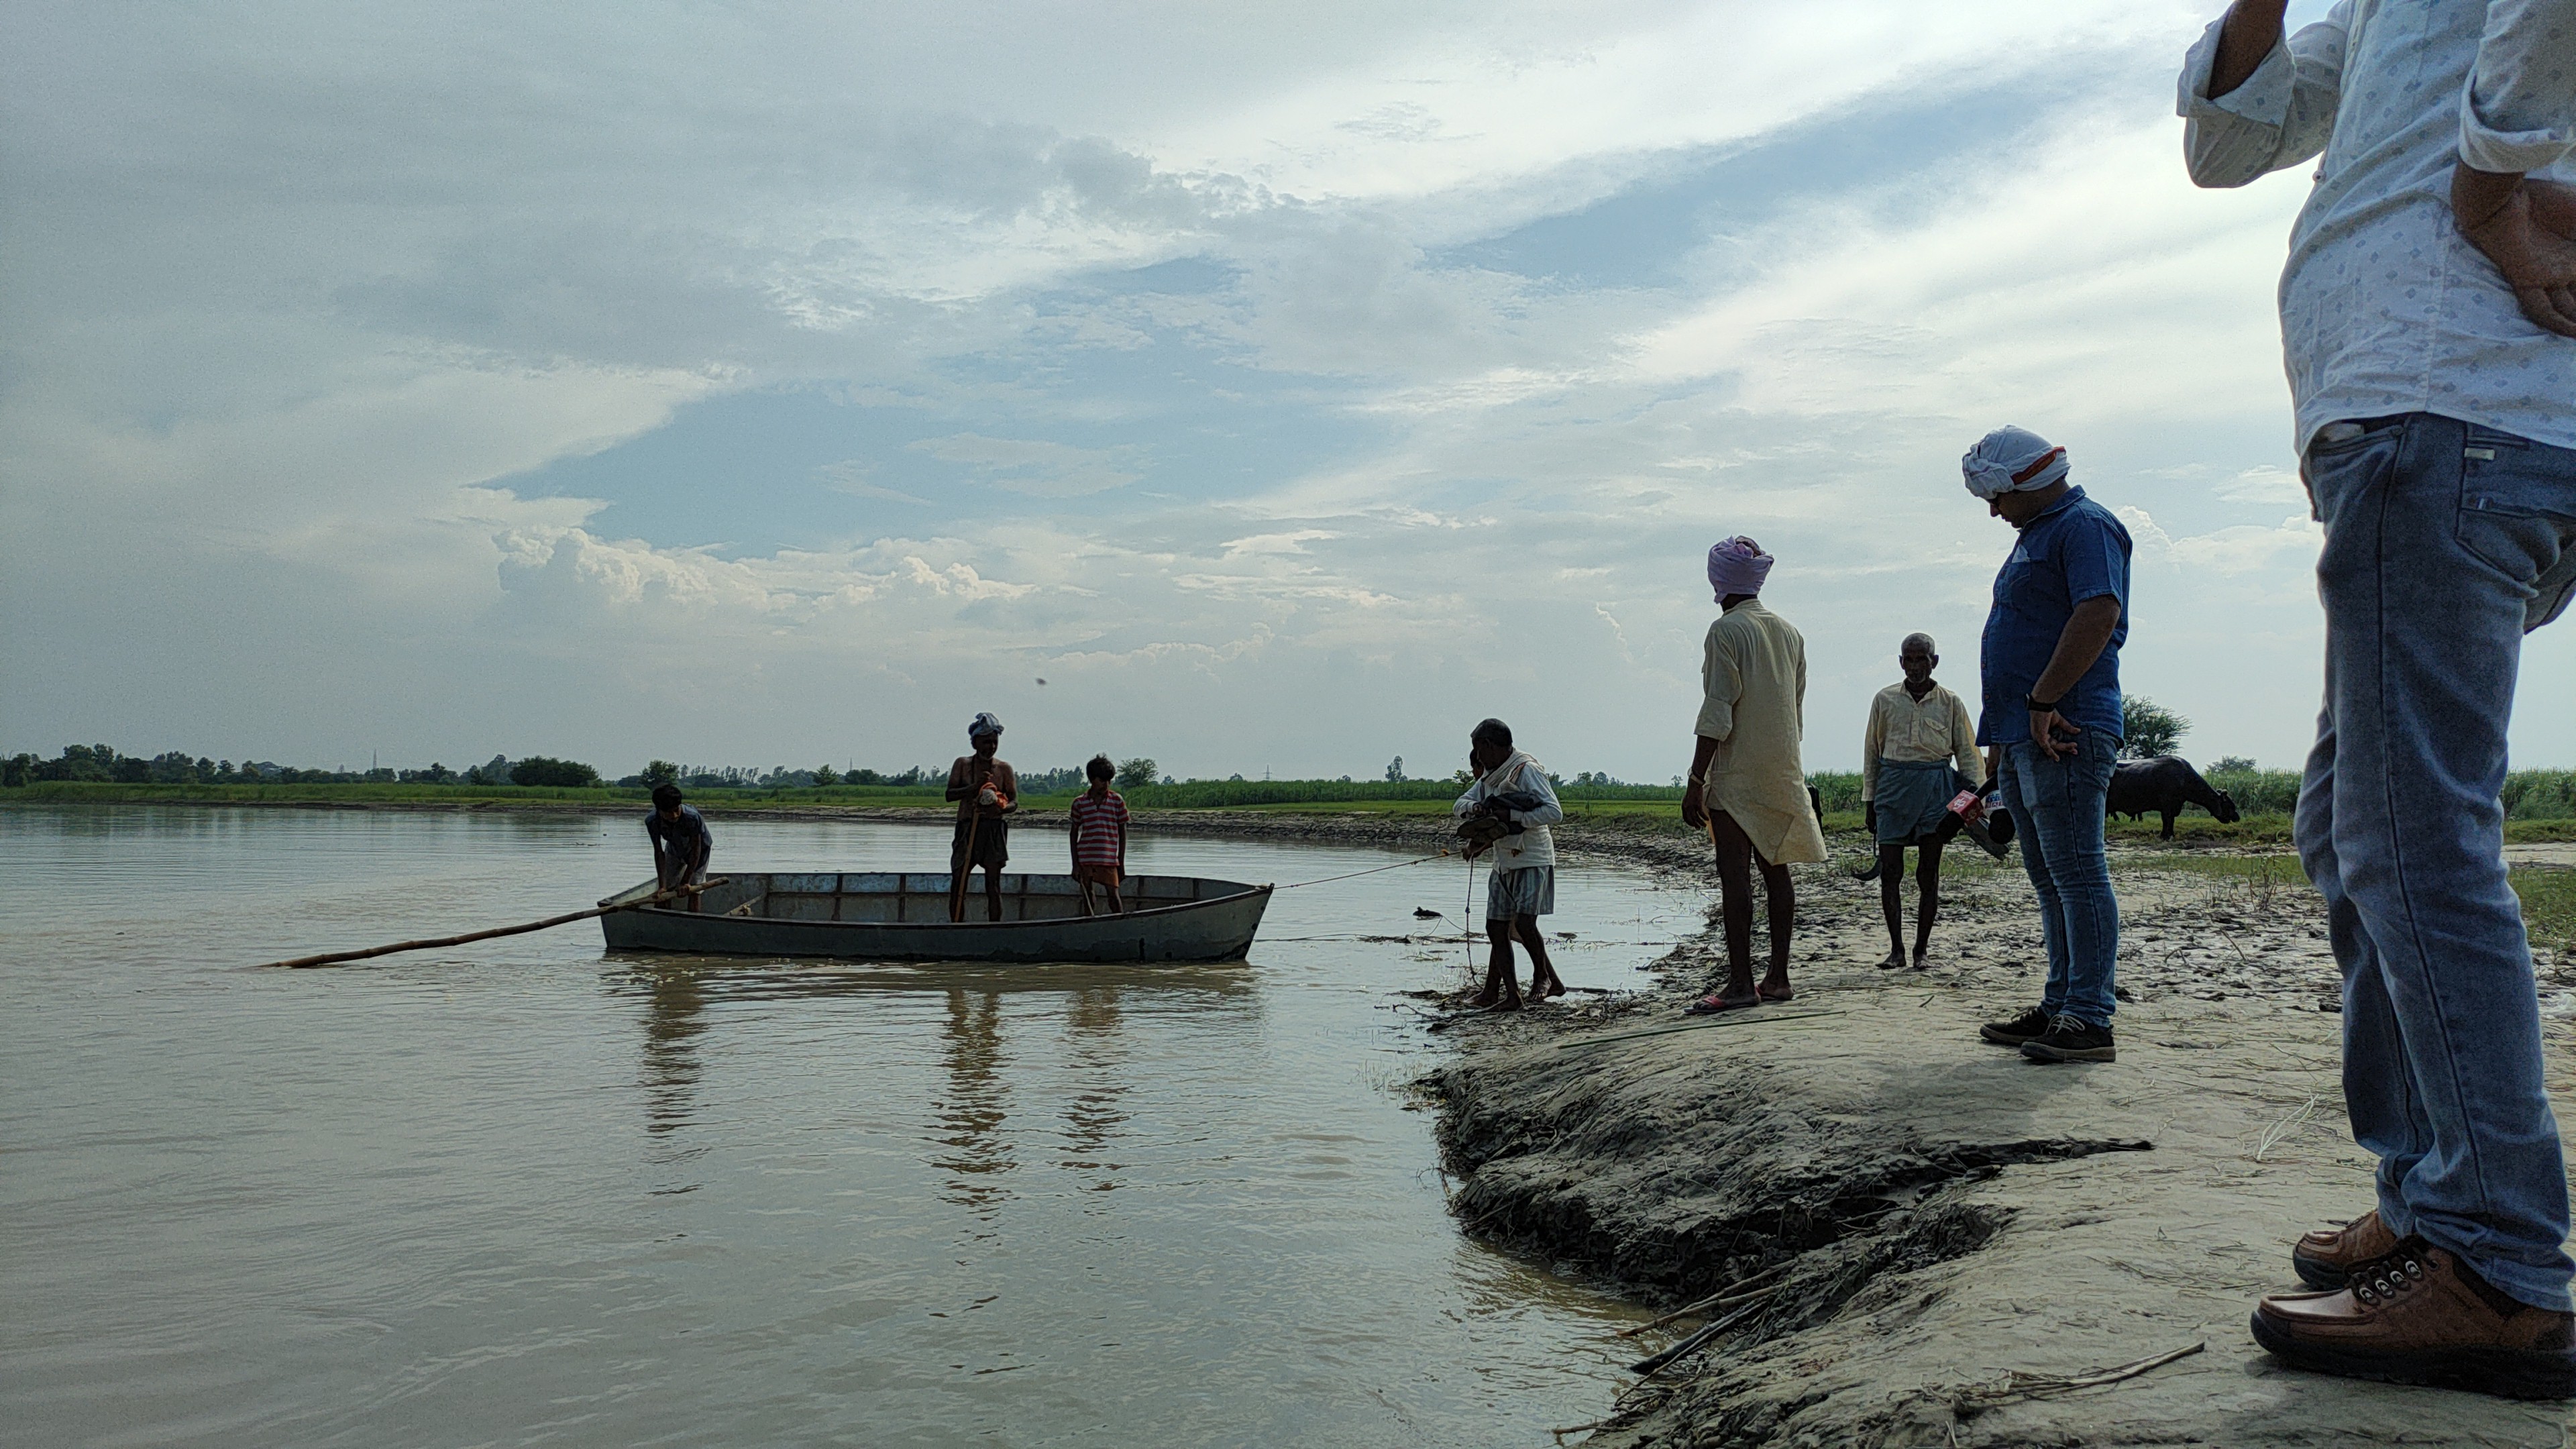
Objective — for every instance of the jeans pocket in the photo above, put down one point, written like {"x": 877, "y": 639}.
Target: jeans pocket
{"x": 2333, "y": 472}
{"x": 2517, "y": 515}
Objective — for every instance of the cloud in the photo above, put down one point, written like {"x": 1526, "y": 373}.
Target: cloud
{"x": 1034, "y": 466}
{"x": 1290, "y": 387}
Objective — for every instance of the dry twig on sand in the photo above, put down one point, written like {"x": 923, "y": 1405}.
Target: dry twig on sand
{"x": 1723, "y": 1298}
{"x": 2017, "y": 1386}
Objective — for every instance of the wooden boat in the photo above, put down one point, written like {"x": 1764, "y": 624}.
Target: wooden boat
{"x": 903, "y": 916}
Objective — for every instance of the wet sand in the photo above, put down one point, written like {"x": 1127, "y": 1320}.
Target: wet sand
{"x": 1934, "y": 1214}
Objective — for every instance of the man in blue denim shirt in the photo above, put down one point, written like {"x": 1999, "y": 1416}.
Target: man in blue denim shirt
{"x": 2428, "y": 320}
{"x": 2051, "y": 664}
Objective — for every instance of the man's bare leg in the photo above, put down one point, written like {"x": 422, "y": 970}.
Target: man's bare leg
{"x": 1782, "y": 895}
{"x": 992, "y": 894}
{"x": 1502, "y": 981}
{"x": 1891, "y": 902}
{"x": 1117, "y": 902}
{"x": 1735, "y": 898}
{"x": 1544, "y": 981}
{"x": 1927, "y": 898}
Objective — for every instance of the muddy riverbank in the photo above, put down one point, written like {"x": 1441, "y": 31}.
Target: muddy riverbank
{"x": 1927, "y": 1237}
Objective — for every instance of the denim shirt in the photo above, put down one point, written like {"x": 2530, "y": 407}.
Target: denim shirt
{"x": 2074, "y": 552}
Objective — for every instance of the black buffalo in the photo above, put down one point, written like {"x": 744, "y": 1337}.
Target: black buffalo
{"x": 2163, "y": 786}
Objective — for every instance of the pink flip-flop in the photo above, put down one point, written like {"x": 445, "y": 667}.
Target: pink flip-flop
{"x": 1713, "y": 1004}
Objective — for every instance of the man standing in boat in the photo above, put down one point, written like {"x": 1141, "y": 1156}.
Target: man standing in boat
{"x": 986, "y": 790}
{"x": 682, "y": 844}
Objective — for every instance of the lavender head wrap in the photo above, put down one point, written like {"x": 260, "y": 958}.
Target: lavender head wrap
{"x": 1737, "y": 566}
{"x": 2012, "y": 460}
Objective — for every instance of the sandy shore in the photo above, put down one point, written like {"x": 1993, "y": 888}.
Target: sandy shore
{"x": 1922, "y": 1216}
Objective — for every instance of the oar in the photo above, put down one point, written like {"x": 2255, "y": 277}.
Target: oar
{"x": 333, "y": 958}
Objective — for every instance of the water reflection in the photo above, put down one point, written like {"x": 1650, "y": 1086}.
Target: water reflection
{"x": 674, "y": 1018}
{"x": 970, "y": 1116}
{"x": 1096, "y": 1107}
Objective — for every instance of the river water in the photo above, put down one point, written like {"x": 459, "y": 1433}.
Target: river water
{"x": 525, "y": 1192}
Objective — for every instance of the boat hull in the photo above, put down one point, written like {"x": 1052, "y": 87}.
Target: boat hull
{"x": 891, "y": 916}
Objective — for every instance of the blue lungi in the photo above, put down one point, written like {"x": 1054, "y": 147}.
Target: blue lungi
{"x": 1913, "y": 797}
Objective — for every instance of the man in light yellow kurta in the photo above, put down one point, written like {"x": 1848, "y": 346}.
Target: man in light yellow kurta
{"x": 1747, "y": 786}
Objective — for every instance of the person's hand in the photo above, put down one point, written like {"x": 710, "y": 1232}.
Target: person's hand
{"x": 1693, "y": 814}
{"x": 2044, "y": 725}
{"x": 1869, "y": 816}
{"x": 2528, "y": 229}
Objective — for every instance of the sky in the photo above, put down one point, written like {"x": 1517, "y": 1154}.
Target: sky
{"x": 1287, "y": 388}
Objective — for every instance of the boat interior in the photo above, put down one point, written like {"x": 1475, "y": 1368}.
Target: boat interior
{"x": 914, "y": 897}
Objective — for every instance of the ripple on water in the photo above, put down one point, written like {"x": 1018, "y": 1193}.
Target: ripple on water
{"x": 526, "y": 1191}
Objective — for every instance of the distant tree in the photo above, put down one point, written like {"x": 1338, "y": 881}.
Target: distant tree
{"x": 18, "y": 771}
{"x": 660, "y": 772}
{"x": 2231, "y": 764}
{"x": 2151, "y": 728}
{"x": 1235, "y": 778}
{"x": 131, "y": 771}
{"x": 863, "y": 777}
{"x": 171, "y": 768}
{"x": 826, "y": 776}
{"x": 494, "y": 771}
{"x": 541, "y": 770}
{"x": 1395, "y": 771}
{"x": 1138, "y": 771}
{"x": 1462, "y": 777}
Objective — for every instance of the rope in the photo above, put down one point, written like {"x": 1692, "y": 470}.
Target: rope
{"x": 1346, "y": 875}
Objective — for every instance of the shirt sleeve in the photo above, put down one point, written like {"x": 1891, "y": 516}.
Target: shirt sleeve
{"x": 1549, "y": 812}
{"x": 1963, "y": 739}
{"x": 1721, "y": 685}
{"x": 1469, "y": 798}
{"x": 2095, "y": 560}
{"x": 2520, "y": 110}
{"x": 2279, "y": 117}
{"x": 1872, "y": 740}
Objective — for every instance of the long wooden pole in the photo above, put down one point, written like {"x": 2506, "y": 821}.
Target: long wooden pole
{"x": 333, "y": 958}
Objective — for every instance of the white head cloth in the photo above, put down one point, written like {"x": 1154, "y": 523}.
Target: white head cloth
{"x": 1737, "y": 566}
{"x": 2012, "y": 460}
{"x": 986, "y": 723}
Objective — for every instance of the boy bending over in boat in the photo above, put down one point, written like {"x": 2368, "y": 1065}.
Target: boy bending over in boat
{"x": 986, "y": 791}
{"x": 682, "y": 843}
{"x": 1100, "y": 837}
{"x": 1509, "y": 808}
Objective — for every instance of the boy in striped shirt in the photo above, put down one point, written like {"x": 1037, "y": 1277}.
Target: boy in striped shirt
{"x": 1099, "y": 837}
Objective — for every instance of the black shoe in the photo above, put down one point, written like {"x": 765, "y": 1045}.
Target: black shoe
{"x": 2031, "y": 1025}
{"x": 2070, "y": 1040}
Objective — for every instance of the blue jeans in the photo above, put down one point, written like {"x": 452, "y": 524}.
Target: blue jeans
{"x": 2444, "y": 543}
{"x": 2058, "y": 806}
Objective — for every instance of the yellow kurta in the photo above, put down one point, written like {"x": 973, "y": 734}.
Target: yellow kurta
{"x": 1754, "y": 677}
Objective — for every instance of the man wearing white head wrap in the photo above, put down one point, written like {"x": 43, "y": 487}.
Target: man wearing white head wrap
{"x": 1747, "y": 787}
{"x": 2428, "y": 320}
{"x": 986, "y": 790}
{"x": 2012, "y": 460}
{"x": 2050, "y": 661}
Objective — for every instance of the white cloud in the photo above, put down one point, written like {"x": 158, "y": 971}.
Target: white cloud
{"x": 293, "y": 302}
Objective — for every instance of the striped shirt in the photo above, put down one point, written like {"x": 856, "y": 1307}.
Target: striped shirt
{"x": 1100, "y": 829}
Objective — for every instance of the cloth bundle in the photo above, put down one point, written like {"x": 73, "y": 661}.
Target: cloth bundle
{"x": 1737, "y": 566}
{"x": 2012, "y": 460}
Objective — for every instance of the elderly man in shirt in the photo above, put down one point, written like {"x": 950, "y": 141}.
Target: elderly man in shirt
{"x": 1917, "y": 753}
{"x": 2428, "y": 316}
{"x": 1747, "y": 787}
{"x": 2051, "y": 666}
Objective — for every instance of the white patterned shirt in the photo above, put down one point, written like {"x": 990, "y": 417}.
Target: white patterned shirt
{"x": 2384, "y": 307}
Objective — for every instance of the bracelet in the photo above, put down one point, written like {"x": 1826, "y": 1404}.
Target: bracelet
{"x": 2039, "y": 706}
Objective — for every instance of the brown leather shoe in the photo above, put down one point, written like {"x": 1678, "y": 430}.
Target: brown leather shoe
{"x": 2326, "y": 1257}
{"x": 2421, "y": 1316}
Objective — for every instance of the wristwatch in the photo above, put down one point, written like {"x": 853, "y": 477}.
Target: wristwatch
{"x": 2037, "y": 705}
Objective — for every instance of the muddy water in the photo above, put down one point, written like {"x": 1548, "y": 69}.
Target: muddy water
{"x": 528, "y": 1193}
